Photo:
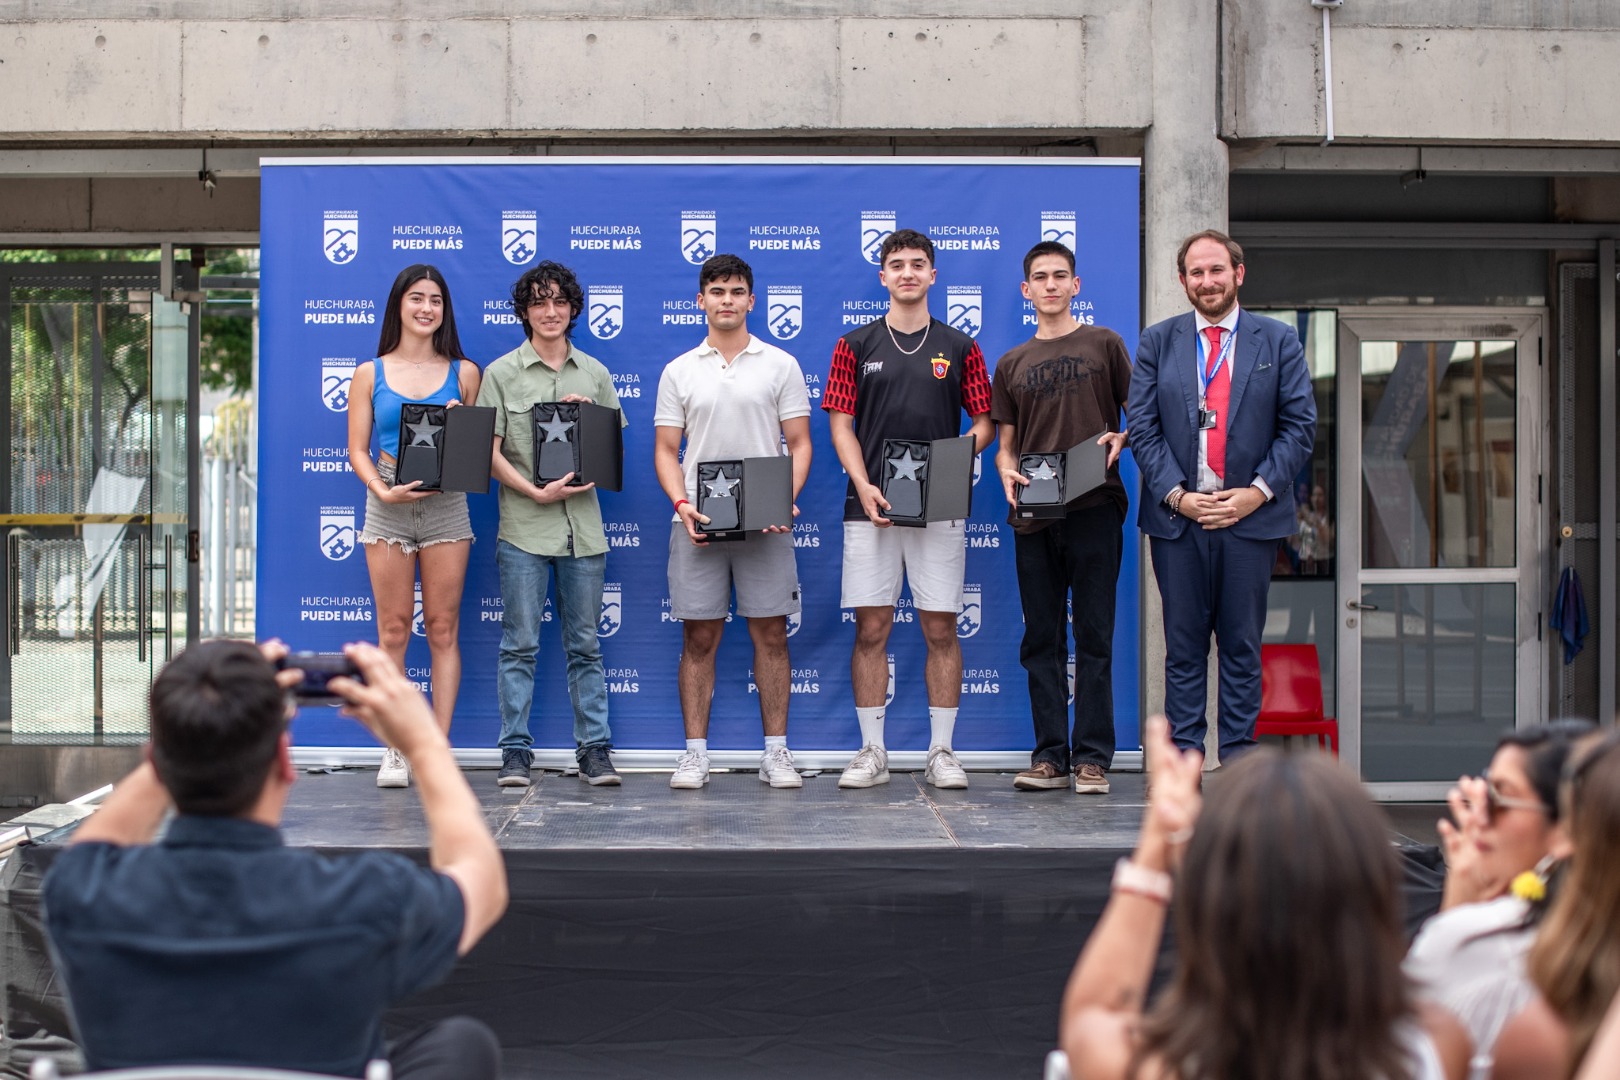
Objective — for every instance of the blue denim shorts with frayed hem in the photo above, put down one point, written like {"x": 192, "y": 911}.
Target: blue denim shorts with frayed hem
{"x": 438, "y": 519}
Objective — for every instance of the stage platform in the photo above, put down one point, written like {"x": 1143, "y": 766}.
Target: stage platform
{"x": 741, "y": 931}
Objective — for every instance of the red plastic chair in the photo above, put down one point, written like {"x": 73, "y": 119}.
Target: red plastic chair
{"x": 1291, "y": 695}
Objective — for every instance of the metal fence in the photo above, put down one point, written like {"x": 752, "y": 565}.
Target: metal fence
{"x": 228, "y": 523}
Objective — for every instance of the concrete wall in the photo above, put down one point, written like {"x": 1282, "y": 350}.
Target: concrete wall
{"x": 276, "y": 71}
{"x": 1463, "y": 71}
{"x": 1484, "y": 72}
{"x": 152, "y": 206}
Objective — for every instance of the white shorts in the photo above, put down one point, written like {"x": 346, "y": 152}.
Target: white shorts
{"x": 931, "y": 559}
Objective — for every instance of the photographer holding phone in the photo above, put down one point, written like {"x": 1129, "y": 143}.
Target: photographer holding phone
{"x": 267, "y": 955}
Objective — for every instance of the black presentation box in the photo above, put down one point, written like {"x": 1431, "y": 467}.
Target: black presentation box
{"x": 927, "y": 481}
{"x": 447, "y": 449}
{"x": 1076, "y": 472}
{"x": 578, "y": 437}
{"x": 744, "y": 495}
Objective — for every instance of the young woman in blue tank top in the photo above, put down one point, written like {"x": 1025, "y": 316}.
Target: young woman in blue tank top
{"x": 419, "y": 359}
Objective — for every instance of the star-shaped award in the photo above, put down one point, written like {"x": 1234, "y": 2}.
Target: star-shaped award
{"x": 905, "y": 466}
{"x": 1042, "y": 472}
{"x": 720, "y": 487}
{"x": 556, "y": 428}
{"x": 423, "y": 434}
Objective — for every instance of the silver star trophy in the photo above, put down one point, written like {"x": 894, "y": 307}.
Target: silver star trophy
{"x": 717, "y": 500}
{"x": 1045, "y": 485}
{"x": 426, "y": 433}
{"x": 557, "y": 448}
{"x": 905, "y": 466}
{"x": 904, "y": 491}
{"x": 421, "y": 444}
{"x": 720, "y": 488}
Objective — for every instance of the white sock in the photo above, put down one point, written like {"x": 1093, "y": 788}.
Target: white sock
{"x": 698, "y": 746}
{"x": 941, "y": 722}
{"x": 775, "y": 740}
{"x": 871, "y": 721}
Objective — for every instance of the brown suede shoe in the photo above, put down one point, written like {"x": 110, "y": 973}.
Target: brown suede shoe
{"x": 1091, "y": 780}
{"x": 1043, "y": 776}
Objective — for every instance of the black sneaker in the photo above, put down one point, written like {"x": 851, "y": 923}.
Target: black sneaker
{"x": 596, "y": 768}
{"x": 514, "y": 768}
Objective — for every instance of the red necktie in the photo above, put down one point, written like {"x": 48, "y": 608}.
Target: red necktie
{"x": 1216, "y": 396}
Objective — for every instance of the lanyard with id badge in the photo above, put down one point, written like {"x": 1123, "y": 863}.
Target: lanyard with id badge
{"x": 1207, "y": 417}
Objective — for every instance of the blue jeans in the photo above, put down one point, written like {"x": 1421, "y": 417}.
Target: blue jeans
{"x": 524, "y": 581}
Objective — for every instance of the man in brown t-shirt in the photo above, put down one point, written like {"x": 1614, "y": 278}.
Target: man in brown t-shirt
{"x": 1065, "y": 384}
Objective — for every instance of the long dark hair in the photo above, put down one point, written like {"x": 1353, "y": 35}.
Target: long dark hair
{"x": 446, "y": 342}
{"x": 1546, "y": 750}
{"x": 1289, "y": 934}
{"x": 1575, "y": 960}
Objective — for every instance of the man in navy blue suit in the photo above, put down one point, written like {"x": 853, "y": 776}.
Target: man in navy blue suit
{"x": 1222, "y": 420}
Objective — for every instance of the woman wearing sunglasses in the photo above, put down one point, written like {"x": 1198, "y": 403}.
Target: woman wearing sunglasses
{"x": 1500, "y": 857}
{"x": 1575, "y": 961}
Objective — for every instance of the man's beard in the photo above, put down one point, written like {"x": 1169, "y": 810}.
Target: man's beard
{"x": 1211, "y": 305}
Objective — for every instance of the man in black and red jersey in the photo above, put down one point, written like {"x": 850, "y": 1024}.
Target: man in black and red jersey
{"x": 904, "y": 376}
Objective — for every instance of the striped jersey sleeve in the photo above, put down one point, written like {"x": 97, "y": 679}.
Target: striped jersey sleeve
{"x": 975, "y": 383}
{"x": 839, "y": 394}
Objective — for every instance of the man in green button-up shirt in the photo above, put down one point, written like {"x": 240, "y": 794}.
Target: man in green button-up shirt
{"x": 551, "y": 531}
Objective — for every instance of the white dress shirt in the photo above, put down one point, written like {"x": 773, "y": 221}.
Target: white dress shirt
{"x": 1206, "y": 480}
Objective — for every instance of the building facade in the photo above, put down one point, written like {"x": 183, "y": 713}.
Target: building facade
{"x": 1428, "y": 189}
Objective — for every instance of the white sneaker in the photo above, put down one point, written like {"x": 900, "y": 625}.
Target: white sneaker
{"x": 868, "y": 768}
{"x": 394, "y": 772}
{"x": 776, "y": 768}
{"x": 691, "y": 771}
{"x": 944, "y": 771}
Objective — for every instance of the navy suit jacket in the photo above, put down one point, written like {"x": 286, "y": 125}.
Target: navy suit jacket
{"x": 1270, "y": 426}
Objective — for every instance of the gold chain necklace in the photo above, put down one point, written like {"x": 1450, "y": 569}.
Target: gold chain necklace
{"x": 909, "y": 352}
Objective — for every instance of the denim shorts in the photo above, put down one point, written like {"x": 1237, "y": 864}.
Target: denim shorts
{"x": 439, "y": 519}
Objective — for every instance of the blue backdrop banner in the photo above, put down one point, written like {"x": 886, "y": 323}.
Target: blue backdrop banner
{"x": 335, "y": 234}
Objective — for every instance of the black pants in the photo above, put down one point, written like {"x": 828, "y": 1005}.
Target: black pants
{"x": 459, "y": 1048}
{"x": 1076, "y": 557}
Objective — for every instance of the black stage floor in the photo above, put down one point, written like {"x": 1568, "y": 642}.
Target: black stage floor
{"x": 741, "y": 931}
{"x": 736, "y": 812}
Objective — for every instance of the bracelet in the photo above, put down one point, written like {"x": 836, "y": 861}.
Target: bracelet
{"x": 1130, "y": 877}
{"x": 373, "y": 480}
{"x": 680, "y": 503}
{"x": 1175, "y": 502}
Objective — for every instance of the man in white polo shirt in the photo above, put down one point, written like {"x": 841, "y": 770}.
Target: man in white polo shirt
{"x": 731, "y": 397}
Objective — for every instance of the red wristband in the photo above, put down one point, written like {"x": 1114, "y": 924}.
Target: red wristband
{"x": 680, "y": 503}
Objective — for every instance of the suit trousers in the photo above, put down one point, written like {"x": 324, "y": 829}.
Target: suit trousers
{"x": 1213, "y": 582}
{"x": 1076, "y": 558}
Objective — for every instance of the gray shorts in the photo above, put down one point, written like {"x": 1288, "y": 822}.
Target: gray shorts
{"x": 762, "y": 567}
{"x": 441, "y": 519}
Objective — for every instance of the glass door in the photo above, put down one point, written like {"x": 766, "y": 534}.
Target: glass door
{"x": 96, "y": 367}
{"x": 1440, "y": 541}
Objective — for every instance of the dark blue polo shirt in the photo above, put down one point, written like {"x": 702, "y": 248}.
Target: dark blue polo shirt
{"x": 220, "y": 945}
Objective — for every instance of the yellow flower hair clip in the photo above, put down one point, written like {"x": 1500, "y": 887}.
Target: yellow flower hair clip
{"x": 1529, "y": 887}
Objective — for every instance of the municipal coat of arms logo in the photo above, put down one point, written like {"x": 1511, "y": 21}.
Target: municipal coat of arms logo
{"x": 340, "y": 237}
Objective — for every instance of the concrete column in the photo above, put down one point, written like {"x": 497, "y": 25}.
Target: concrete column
{"x": 1185, "y": 189}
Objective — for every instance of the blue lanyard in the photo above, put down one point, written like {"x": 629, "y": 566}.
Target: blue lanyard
{"x": 1220, "y": 359}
